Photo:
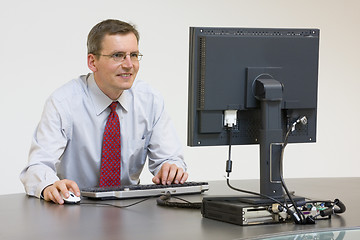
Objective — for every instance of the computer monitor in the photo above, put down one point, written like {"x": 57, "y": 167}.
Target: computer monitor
{"x": 266, "y": 78}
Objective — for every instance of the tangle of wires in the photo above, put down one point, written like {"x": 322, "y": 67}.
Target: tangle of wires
{"x": 297, "y": 215}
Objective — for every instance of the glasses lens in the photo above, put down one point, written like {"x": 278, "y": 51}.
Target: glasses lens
{"x": 119, "y": 57}
{"x": 135, "y": 56}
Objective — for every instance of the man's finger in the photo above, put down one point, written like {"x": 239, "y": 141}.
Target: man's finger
{"x": 184, "y": 177}
{"x": 164, "y": 173}
{"x": 156, "y": 179}
{"x": 61, "y": 186}
{"x": 54, "y": 195}
{"x": 179, "y": 174}
{"x": 73, "y": 187}
{"x": 171, "y": 174}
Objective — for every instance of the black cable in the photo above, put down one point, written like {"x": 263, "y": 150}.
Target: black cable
{"x": 330, "y": 210}
{"x": 254, "y": 193}
{"x": 113, "y": 205}
{"x": 184, "y": 200}
{"x": 230, "y": 137}
{"x": 300, "y": 214}
{"x": 228, "y": 170}
{"x": 164, "y": 200}
{"x": 229, "y": 162}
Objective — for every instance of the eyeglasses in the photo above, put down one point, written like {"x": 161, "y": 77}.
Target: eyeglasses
{"x": 121, "y": 56}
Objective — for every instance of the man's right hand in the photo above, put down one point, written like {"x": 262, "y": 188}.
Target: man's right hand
{"x": 52, "y": 192}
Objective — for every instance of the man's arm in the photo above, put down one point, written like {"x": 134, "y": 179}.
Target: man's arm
{"x": 47, "y": 146}
{"x": 165, "y": 152}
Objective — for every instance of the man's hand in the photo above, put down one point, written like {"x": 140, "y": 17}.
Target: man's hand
{"x": 52, "y": 192}
{"x": 170, "y": 173}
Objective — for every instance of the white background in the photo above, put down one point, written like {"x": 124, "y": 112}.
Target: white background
{"x": 43, "y": 45}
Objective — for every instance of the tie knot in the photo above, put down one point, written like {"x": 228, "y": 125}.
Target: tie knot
{"x": 113, "y": 106}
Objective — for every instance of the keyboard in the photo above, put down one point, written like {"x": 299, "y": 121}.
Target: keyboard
{"x": 145, "y": 190}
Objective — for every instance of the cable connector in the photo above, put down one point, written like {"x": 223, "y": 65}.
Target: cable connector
{"x": 302, "y": 120}
{"x": 230, "y": 118}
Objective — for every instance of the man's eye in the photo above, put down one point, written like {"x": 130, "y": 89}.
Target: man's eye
{"x": 118, "y": 55}
{"x": 134, "y": 55}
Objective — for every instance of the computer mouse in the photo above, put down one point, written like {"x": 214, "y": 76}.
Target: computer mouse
{"x": 72, "y": 199}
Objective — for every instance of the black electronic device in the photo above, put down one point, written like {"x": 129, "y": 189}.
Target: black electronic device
{"x": 233, "y": 210}
{"x": 257, "y": 82}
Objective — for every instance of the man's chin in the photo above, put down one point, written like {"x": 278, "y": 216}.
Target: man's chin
{"x": 126, "y": 86}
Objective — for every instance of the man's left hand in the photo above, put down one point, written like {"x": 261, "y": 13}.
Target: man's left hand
{"x": 170, "y": 173}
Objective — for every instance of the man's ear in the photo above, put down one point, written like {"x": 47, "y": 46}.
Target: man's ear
{"x": 91, "y": 62}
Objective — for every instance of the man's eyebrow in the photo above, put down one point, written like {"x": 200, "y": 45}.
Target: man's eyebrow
{"x": 115, "y": 51}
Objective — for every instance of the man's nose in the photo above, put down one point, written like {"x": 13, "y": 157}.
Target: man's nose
{"x": 127, "y": 63}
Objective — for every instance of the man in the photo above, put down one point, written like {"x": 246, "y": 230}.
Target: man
{"x": 67, "y": 151}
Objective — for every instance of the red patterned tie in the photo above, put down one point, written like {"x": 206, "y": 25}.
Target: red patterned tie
{"x": 111, "y": 151}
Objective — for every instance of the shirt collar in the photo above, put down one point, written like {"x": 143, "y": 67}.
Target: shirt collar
{"x": 100, "y": 100}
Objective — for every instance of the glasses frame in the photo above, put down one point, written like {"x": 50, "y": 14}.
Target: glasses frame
{"x": 120, "y": 60}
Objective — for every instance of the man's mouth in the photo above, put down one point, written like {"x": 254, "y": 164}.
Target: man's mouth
{"x": 125, "y": 75}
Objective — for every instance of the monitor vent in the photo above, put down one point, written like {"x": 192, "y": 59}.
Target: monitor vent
{"x": 201, "y": 82}
{"x": 246, "y": 131}
{"x": 260, "y": 32}
{"x": 249, "y": 128}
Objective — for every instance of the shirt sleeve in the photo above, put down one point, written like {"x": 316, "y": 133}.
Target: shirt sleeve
{"x": 164, "y": 145}
{"x": 47, "y": 145}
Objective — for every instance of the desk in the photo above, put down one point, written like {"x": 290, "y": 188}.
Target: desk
{"x": 24, "y": 217}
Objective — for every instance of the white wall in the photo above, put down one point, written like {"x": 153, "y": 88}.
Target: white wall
{"x": 43, "y": 45}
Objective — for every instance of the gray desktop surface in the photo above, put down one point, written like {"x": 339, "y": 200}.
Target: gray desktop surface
{"x": 24, "y": 217}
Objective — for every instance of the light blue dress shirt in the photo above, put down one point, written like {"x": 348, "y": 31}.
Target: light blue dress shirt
{"x": 67, "y": 142}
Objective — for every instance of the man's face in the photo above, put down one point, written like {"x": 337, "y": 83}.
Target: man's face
{"x": 111, "y": 76}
